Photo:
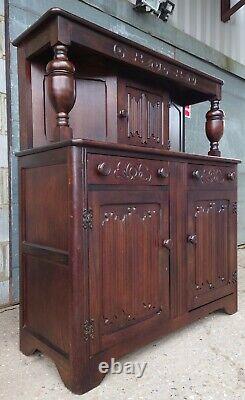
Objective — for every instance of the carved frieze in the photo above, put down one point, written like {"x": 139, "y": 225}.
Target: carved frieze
{"x": 153, "y": 64}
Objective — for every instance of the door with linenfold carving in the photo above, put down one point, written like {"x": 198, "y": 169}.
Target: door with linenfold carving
{"x": 211, "y": 246}
{"x": 128, "y": 264}
{"x": 143, "y": 115}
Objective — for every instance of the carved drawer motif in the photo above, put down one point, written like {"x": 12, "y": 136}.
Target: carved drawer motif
{"x": 209, "y": 176}
{"x": 127, "y": 171}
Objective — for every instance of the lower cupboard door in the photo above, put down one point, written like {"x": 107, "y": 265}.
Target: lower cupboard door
{"x": 128, "y": 265}
{"x": 211, "y": 246}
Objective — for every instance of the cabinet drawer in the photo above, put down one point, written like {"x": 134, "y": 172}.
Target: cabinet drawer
{"x": 204, "y": 176}
{"x": 103, "y": 169}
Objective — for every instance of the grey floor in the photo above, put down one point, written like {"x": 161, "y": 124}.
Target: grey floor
{"x": 205, "y": 361}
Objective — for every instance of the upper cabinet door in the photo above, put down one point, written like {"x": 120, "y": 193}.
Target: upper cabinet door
{"x": 128, "y": 265}
{"x": 143, "y": 115}
{"x": 211, "y": 245}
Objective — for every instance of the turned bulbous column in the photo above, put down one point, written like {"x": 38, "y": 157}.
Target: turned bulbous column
{"x": 61, "y": 88}
{"x": 214, "y": 127}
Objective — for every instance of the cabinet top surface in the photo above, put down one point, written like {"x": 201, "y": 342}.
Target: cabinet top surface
{"x": 59, "y": 26}
{"x": 129, "y": 150}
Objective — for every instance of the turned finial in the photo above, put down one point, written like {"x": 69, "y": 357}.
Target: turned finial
{"x": 214, "y": 127}
{"x": 61, "y": 90}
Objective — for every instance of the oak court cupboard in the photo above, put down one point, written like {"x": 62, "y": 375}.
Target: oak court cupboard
{"x": 122, "y": 240}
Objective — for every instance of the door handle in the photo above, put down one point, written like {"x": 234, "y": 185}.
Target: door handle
{"x": 161, "y": 173}
{"x": 192, "y": 239}
{"x": 168, "y": 244}
{"x": 196, "y": 174}
{"x": 231, "y": 176}
{"x": 123, "y": 114}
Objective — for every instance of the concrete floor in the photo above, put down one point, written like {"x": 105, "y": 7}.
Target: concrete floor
{"x": 204, "y": 361}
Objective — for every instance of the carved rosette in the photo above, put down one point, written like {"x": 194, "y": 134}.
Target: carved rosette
{"x": 61, "y": 88}
{"x": 214, "y": 127}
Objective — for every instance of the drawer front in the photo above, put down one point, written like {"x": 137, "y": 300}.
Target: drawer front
{"x": 205, "y": 176}
{"x": 103, "y": 169}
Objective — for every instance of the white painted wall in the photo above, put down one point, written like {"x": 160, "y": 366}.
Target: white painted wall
{"x": 4, "y": 195}
{"x": 201, "y": 19}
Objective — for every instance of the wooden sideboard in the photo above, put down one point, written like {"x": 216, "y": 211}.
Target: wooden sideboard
{"x": 122, "y": 239}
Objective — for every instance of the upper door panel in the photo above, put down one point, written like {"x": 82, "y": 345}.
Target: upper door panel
{"x": 143, "y": 113}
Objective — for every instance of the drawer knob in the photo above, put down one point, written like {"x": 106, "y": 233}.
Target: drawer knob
{"x": 104, "y": 169}
{"x": 192, "y": 239}
{"x": 161, "y": 173}
{"x": 196, "y": 174}
{"x": 231, "y": 176}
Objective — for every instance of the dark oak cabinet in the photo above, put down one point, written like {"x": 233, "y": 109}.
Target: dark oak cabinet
{"x": 122, "y": 239}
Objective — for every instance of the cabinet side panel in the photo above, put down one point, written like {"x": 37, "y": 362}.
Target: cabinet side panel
{"x": 45, "y": 276}
{"x": 88, "y": 118}
{"x": 46, "y": 301}
{"x": 46, "y": 199}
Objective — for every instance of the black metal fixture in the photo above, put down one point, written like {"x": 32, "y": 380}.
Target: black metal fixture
{"x": 161, "y": 8}
{"x": 166, "y": 8}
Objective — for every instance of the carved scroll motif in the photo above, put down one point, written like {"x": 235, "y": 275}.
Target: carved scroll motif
{"x": 132, "y": 172}
{"x": 129, "y": 212}
{"x": 214, "y": 175}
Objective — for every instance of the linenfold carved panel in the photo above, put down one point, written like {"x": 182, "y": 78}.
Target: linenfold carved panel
{"x": 134, "y": 281}
{"x": 145, "y": 118}
{"x": 211, "y": 229}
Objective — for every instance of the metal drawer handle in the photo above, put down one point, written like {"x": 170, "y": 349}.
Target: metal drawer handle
{"x": 231, "y": 176}
{"x": 192, "y": 239}
{"x": 161, "y": 173}
{"x": 103, "y": 169}
{"x": 196, "y": 174}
